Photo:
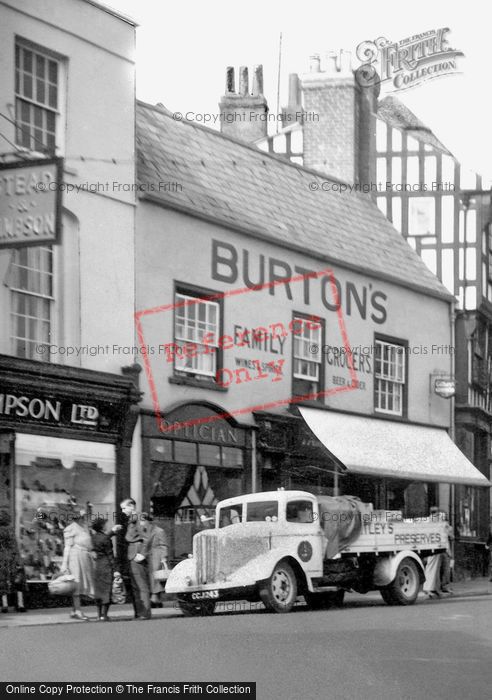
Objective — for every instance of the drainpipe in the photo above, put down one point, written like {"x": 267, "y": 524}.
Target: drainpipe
{"x": 452, "y": 431}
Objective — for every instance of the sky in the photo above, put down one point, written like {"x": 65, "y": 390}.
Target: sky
{"x": 183, "y": 49}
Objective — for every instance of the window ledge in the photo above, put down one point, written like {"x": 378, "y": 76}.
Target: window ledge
{"x": 190, "y": 381}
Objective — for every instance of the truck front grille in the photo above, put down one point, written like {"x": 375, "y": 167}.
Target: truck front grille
{"x": 206, "y": 557}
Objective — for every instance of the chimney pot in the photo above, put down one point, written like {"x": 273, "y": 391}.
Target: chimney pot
{"x": 230, "y": 82}
{"x": 243, "y": 80}
{"x": 258, "y": 80}
{"x": 314, "y": 63}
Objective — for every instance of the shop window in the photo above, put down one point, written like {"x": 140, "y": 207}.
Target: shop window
{"x": 421, "y": 216}
{"x": 37, "y": 80}
{"x": 196, "y": 335}
{"x": 53, "y": 477}
{"x": 307, "y": 365}
{"x": 232, "y": 457}
{"x": 467, "y": 511}
{"x": 209, "y": 455}
{"x": 389, "y": 378}
{"x": 30, "y": 280}
{"x": 185, "y": 452}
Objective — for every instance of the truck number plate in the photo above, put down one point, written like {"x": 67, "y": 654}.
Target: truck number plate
{"x": 205, "y": 594}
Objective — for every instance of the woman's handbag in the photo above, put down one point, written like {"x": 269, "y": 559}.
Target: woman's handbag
{"x": 118, "y": 592}
{"x": 162, "y": 574}
{"x": 62, "y": 585}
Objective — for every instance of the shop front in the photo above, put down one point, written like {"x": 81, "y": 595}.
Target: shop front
{"x": 194, "y": 456}
{"x": 394, "y": 465}
{"x": 65, "y": 438}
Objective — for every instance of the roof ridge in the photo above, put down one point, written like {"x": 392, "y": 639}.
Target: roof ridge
{"x": 251, "y": 147}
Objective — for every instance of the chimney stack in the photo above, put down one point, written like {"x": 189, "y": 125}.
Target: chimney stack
{"x": 244, "y": 115}
{"x": 341, "y": 142}
{"x": 293, "y": 112}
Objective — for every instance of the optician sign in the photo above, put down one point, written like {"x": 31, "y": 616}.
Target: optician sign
{"x": 30, "y": 202}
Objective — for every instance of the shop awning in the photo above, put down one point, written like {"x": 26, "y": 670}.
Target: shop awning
{"x": 391, "y": 449}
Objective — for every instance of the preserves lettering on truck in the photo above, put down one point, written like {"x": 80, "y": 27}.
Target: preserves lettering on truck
{"x": 276, "y": 546}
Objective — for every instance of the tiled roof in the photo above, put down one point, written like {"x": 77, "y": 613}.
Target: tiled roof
{"x": 229, "y": 182}
{"x": 396, "y": 114}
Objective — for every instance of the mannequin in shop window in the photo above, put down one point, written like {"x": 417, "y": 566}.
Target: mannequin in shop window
{"x": 12, "y": 577}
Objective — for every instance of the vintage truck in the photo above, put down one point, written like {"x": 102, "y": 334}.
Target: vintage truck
{"x": 278, "y": 545}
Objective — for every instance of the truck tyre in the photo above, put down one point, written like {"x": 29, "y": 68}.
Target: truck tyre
{"x": 191, "y": 609}
{"x": 279, "y": 592}
{"x": 404, "y": 589}
{"x": 320, "y": 601}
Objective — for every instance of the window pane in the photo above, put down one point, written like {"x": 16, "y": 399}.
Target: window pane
{"x": 413, "y": 177}
{"x": 185, "y": 452}
{"x": 430, "y": 171}
{"x": 232, "y": 457}
{"x": 396, "y": 145}
{"x": 429, "y": 257}
{"x": 396, "y": 171}
{"x": 421, "y": 216}
{"x": 381, "y": 201}
{"x": 261, "y": 510}
{"x": 396, "y": 212}
{"x": 209, "y": 455}
{"x": 447, "y": 220}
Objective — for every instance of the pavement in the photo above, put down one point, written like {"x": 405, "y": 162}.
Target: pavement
{"x": 60, "y": 616}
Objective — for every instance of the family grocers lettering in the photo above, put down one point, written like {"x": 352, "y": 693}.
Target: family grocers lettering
{"x": 408, "y": 62}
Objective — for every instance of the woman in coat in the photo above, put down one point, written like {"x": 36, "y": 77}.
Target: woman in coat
{"x": 102, "y": 550}
{"x": 78, "y": 561}
{"x": 158, "y": 551}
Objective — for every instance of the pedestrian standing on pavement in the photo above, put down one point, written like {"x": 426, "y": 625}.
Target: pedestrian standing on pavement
{"x": 157, "y": 543}
{"x": 447, "y": 556}
{"x": 138, "y": 557}
{"x": 77, "y": 560}
{"x": 11, "y": 569}
{"x": 104, "y": 569}
{"x": 432, "y": 583}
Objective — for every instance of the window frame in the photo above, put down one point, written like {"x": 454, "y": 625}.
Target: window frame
{"x": 196, "y": 377}
{"x": 321, "y": 366}
{"x": 22, "y": 44}
{"x": 398, "y": 342}
{"x": 15, "y": 291}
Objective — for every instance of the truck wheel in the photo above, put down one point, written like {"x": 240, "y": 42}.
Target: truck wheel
{"x": 279, "y": 593}
{"x": 191, "y": 609}
{"x": 405, "y": 587}
{"x": 386, "y": 596}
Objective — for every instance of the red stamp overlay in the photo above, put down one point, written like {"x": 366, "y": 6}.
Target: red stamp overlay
{"x": 272, "y": 370}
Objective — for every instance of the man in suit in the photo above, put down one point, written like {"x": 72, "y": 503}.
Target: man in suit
{"x": 138, "y": 550}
